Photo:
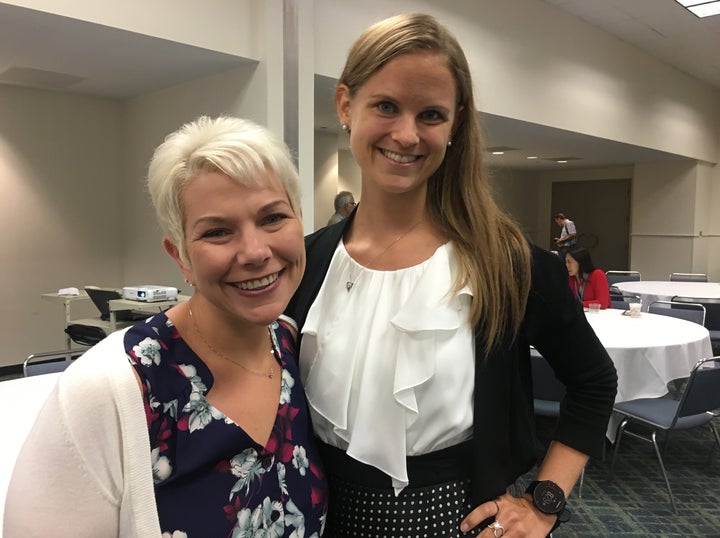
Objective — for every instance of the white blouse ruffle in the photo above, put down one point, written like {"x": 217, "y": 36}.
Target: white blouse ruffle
{"x": 388, "y": 366}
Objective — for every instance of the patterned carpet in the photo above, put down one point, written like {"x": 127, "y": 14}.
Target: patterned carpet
{"x": 636, "y": 504}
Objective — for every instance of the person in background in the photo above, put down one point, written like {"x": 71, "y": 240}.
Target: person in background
{"x": 193, "y": 423}
{"x": 417, "y": 313}
{"x": 588, "y": 284}
{"x": 568, "y": 234}
{"x": 344, "y": 204}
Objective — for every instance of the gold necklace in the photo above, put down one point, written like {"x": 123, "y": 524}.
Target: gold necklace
{"x": 273, "y": 350}
{"x": 351, "y": 282}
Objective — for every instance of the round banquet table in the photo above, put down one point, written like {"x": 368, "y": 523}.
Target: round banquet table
{"x": 649, "y": 350}
{"x": 664, "y": 290}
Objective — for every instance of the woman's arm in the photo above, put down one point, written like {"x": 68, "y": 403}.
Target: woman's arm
{"x": 597, "y": 281}
{"x": 53, "y": 491}
{"x": 85, "y": 468}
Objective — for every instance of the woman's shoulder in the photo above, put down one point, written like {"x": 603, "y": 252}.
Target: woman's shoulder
{"x": 98, "y": 379}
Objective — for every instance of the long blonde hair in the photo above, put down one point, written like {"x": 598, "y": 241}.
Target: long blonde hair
{"x": 493, "y": 255}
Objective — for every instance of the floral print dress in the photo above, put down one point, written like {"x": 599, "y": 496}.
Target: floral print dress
{"x": 211, "y": 478}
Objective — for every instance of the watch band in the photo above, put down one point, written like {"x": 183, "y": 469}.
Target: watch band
{"x": 563, "y": 514}
{"x": 551, "y": 498}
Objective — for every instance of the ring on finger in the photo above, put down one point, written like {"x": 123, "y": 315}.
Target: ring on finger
{"x": 498, "y": 530}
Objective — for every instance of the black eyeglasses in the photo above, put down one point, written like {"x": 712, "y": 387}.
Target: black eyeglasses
{"x": 351, "y": 203}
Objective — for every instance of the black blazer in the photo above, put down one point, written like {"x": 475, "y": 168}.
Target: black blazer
{"x": 504, "y": 430}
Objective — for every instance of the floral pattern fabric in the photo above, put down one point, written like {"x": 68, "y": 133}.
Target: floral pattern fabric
{"x": 211, "y": 478}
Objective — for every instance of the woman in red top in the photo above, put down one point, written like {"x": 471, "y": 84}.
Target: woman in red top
{"x": 587, "y": 283}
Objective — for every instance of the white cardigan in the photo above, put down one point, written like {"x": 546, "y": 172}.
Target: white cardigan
{"x": 85, "y": 469}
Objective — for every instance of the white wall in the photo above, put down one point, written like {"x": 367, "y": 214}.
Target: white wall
{"x": 534, "y": 62}
{"x": 72, "y": 175}
{"x": 62, "y": 155}
{"x": 550, "y": 68}
{"x": 146, "y": 121}
{"x": 672, "y": 204}
{"x": 326, "y": 177}
{"x": 221, "y": 25}
{"x": 60, "y": 209}
{"x": 349, "y": 174}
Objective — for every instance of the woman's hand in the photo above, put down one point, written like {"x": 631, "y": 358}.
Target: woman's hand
{"x": 515, "y": 518}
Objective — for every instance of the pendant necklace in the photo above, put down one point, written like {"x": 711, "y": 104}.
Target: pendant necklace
{"x": 273, "y": 350}
{"x": 351, "y": 282}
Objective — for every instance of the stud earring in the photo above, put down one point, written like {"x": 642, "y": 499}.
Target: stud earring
{"x": 345, "y": 127}
{"x": 449, "y": 143}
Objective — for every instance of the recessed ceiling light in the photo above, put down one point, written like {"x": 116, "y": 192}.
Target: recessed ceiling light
{"x": 499, "y": 150}
{"x": 563, "y": 159}
{"x": 701, "y": 8}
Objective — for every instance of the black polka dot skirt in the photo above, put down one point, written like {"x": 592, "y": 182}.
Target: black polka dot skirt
{"x": 423, "y": 512}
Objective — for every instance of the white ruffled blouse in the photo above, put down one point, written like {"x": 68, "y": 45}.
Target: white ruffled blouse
{"x": 388, "y": 366}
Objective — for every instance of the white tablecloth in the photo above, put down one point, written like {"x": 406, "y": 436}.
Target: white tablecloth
{"x": 20, "y": 402}
{"x": 661, "y": 290}
{"x": 649, "y": 350}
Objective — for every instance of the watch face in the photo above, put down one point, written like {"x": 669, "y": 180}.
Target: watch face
{"x": 549, "y": 497}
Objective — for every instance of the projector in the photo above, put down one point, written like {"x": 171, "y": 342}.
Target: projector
{"x": 150, "y": 294}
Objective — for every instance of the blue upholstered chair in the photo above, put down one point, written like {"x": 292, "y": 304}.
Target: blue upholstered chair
{"x": 697, "y": 407}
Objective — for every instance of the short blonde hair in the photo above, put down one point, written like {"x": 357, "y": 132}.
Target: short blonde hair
{"x": 240, "y": 148}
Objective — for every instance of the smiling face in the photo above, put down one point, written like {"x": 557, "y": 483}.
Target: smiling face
{"x": 401, "y": 120}
{"x": 244, "y": 245}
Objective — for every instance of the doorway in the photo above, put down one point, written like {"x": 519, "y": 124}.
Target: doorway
{"x": 600, "y": 210}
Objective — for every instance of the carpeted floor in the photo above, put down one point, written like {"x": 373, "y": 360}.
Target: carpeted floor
{"x": 636, "y": 505}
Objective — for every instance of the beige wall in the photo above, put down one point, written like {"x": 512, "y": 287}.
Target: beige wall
{"x": 222, "y": 25}
{"x": 146, "y": 121}
{"x": 549, "y": 68}
{"x": 60, "y": 209}
{"x": 326, "y": 177}
{"x": 64, "y": 156}
{"x": 674, "y": 224}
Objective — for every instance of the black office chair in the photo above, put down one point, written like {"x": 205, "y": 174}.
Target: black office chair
{"x": 697, "y": 407}
{"x": 85, "y": 335}
{"x": 49, "y": 362}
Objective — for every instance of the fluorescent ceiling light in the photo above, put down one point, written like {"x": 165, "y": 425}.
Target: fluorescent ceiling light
{"x": 498, "y": 153}
{"x": 700, "y": 8}
{"x": 532, "y": 157}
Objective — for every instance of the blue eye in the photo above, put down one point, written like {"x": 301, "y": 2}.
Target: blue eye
{"x": 210, "y": 234}
{"x": 275, "y": 218}
{"x": 432, "y": 116}
{"x": 386, "y": 107}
